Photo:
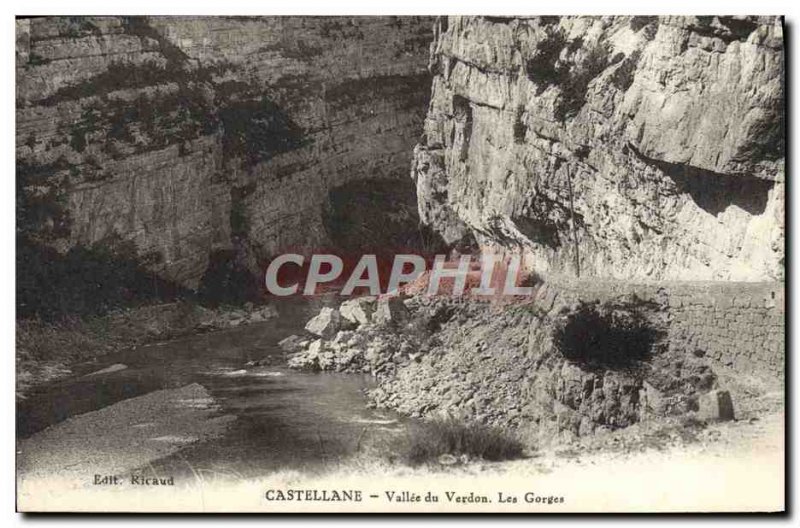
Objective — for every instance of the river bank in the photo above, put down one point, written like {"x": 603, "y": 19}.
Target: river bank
{"x": 128, "y": 408}
{"x": 746, "y": 460}
{"x": 222, "y": 416}
{"x": 47, "y": 351}
{"x": 571, "y": 362}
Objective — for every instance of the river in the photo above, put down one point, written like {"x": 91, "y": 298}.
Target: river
{"x": 283, "y": 419}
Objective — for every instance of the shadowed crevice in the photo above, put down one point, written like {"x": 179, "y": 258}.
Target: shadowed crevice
{"x": 712, "y": 191}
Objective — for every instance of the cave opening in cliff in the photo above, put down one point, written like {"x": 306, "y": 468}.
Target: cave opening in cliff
{"x": 378, "y": 216}
{"x": 227, "y": 280}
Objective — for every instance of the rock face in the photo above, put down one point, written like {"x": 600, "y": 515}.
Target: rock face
{"x": 190, "y": 136}
{"x": 618, "y": 147}
{"x": 326, "y": 324}
{"x": 391, "y": 310}
{"x": 359, "y": 310}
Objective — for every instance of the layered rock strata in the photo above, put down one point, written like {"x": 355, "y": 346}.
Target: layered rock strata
{"x": 192, "y": 135}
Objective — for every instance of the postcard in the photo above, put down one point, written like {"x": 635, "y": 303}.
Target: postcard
{"x": 407, "y": 264}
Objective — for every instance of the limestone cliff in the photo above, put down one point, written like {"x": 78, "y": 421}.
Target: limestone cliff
{"x": 187, "y": 136}
{"x": 620, "y": 147}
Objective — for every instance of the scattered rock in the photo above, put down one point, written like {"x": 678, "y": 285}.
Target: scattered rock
{"x": 359, "y": 310}
{"x": 448, "y": 460}
{"x": 316, "y": 347}
{"x": 292, "y": 344}
{"x": 263, "y": 362}
{"x": 325, "y": 324}
{"x": 264, "y": 313}
{"x": 222, "y": 318}
{"x": 391, "y": 310}
{"x": 343, "y": 337}
{"x": 308, "y": 359}
{"x": 108, "y": 370}
{"x": 652, "y": 400}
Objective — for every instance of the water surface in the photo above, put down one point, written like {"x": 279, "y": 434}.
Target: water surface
{"x": 284, "y": 418}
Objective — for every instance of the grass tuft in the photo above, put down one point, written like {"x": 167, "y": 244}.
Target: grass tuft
{"x": 425, "y": 442}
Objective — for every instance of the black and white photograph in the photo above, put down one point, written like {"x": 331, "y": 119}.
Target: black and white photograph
{"x": 395, "y": 263}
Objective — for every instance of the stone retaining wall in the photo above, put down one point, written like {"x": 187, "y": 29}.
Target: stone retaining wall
{"x": 736, "y": 324}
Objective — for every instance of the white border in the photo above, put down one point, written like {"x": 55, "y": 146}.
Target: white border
{"x": 306, "y": 7}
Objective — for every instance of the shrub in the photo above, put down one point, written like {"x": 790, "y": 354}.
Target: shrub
{"x": 544, "y": 68}
{"x": 531, "y": 279}
{"x": 85, "y": 281}
{"x": 37, "y": 60}
{"x": 623, "y": 75}
{"x": 571, "y": 71}
{"x": 118, "y": 76}
{"x": 607, "y": 336}
{"x": 426, "y": 441}
{"x": 576, "y": 84}
{"x": 257, "y": 130}
{"x": 226, "y": 281}
{"x": 640, "y": 22}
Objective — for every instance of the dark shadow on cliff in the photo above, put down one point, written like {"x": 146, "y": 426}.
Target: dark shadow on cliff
{"x": 256, "y": 130}
{"x": 713, "y": 191}
{"x": 227, "y": 281}
{"x": 379, "y": 216}
{"x": 85, "y": 280}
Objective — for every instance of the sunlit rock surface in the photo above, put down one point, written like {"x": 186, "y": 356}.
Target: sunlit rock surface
{"x": 619, "y": 147}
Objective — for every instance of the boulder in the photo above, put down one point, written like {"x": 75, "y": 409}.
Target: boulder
{"x": 716, "y": 405}
{"x": 325, "y": 324}
{"x": 263, "y": 314}
{"x": 653, "y": 401}
{"x": 292, "y": 344}
{"x": 263, "y": 362}
{"x": 256, "y": 317}
{"x": 447, "y": 459}
{"x": 315, "y": 348}
{"x": 358, "y": 311}
{"x": 391, "y": 310}
{"x": 308, "y": 359}
{"x": 343, "y": 337}
{"x": 108, "y": 370}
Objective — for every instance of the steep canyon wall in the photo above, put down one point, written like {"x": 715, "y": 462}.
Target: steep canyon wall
{"x": 187, "y": 136}
{"x": 643, "y": 148}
